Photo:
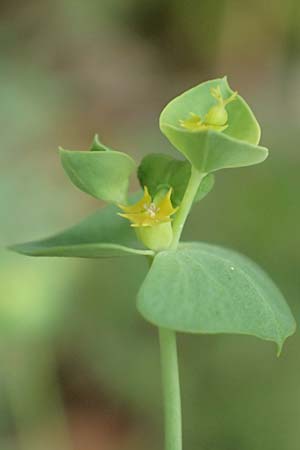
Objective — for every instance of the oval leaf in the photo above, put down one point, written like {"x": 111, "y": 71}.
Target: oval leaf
{"x": 158, "y": 170}
{"x": 202, "y": 288}
{"x": 211, "y": 150}
{"x": 102, "y": 174}
{"x": 101, "y": 235}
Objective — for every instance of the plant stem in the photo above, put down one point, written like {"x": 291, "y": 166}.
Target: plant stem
{"x": 167, "y": 338}
{"x": 171, "y": 389}
{"x": 186, "y": 204}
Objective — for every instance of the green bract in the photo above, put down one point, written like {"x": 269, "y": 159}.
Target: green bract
{"x": 202, "y": 288}
{"x": 100, "y": 172}
{"x": 210, "y": 150}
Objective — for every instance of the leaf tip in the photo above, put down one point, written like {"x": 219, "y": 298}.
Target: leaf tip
{"x": 62, "y": 151}
{"x": 97, "y": 145}
{"x": 18, "y": 248}
{"x": 284, "y": 338}
{"x": 265, "y": 153}
{"x": 225, "y": 78}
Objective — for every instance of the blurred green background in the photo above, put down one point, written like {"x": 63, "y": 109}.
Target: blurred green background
{"x": 79, "y": 368}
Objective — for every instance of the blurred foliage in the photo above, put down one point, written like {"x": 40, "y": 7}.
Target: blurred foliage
{"x": 70, "y": 69}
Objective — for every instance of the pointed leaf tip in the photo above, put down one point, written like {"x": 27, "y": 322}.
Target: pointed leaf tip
{"x": 102, "y": 174}
{"x": 98, "y": 146}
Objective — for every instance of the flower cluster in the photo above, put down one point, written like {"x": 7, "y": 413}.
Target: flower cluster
{"x": 147, "y": 212}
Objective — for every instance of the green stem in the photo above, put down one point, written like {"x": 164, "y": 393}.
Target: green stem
{"x": 186, "y": 204}
{"x": 171, "y": 389}
{"x": 167, "y": 338}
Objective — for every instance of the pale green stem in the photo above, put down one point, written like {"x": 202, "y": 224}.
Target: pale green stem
{"x": 167, "y": 338}
{"x": 171, "y": 389}
{"x": 186, "y": 204}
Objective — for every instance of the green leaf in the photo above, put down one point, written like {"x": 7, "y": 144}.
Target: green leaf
{"x": 102, "y": 173}
{"x": 158, "y": 171}
{"x": 202, "y": 288}
{"x": 103, "y": 234}
{"x": 211, "y": 150}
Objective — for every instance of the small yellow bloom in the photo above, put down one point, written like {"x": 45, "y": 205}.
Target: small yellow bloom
{"x": 147, "y": 213}
{"x": 215, "y": 119}
{"x": 193, "y": 123}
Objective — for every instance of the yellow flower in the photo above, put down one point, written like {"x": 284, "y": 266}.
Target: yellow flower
{"x": 147, "y": 212}
{"x": 215, "y": 119}
{"x": 193, "y": 123}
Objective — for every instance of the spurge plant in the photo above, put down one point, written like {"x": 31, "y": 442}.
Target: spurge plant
{"x": 191, "y": 287}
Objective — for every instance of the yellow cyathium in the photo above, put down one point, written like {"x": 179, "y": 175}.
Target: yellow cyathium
{"x": 147, "y": 213}
{"x": 152, "y": 219}
{"x": 215, "y": 119}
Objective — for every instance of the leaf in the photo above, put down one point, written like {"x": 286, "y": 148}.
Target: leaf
{"x": 158, "y": 170}
{"x": 202, "y": 288}
{"x": 103, "y": 234}
{"x": 102, "y": 173}
{"x": 211, "y": 150}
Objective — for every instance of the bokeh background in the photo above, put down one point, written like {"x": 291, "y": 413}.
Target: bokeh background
{"x": 79, "y": 368}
